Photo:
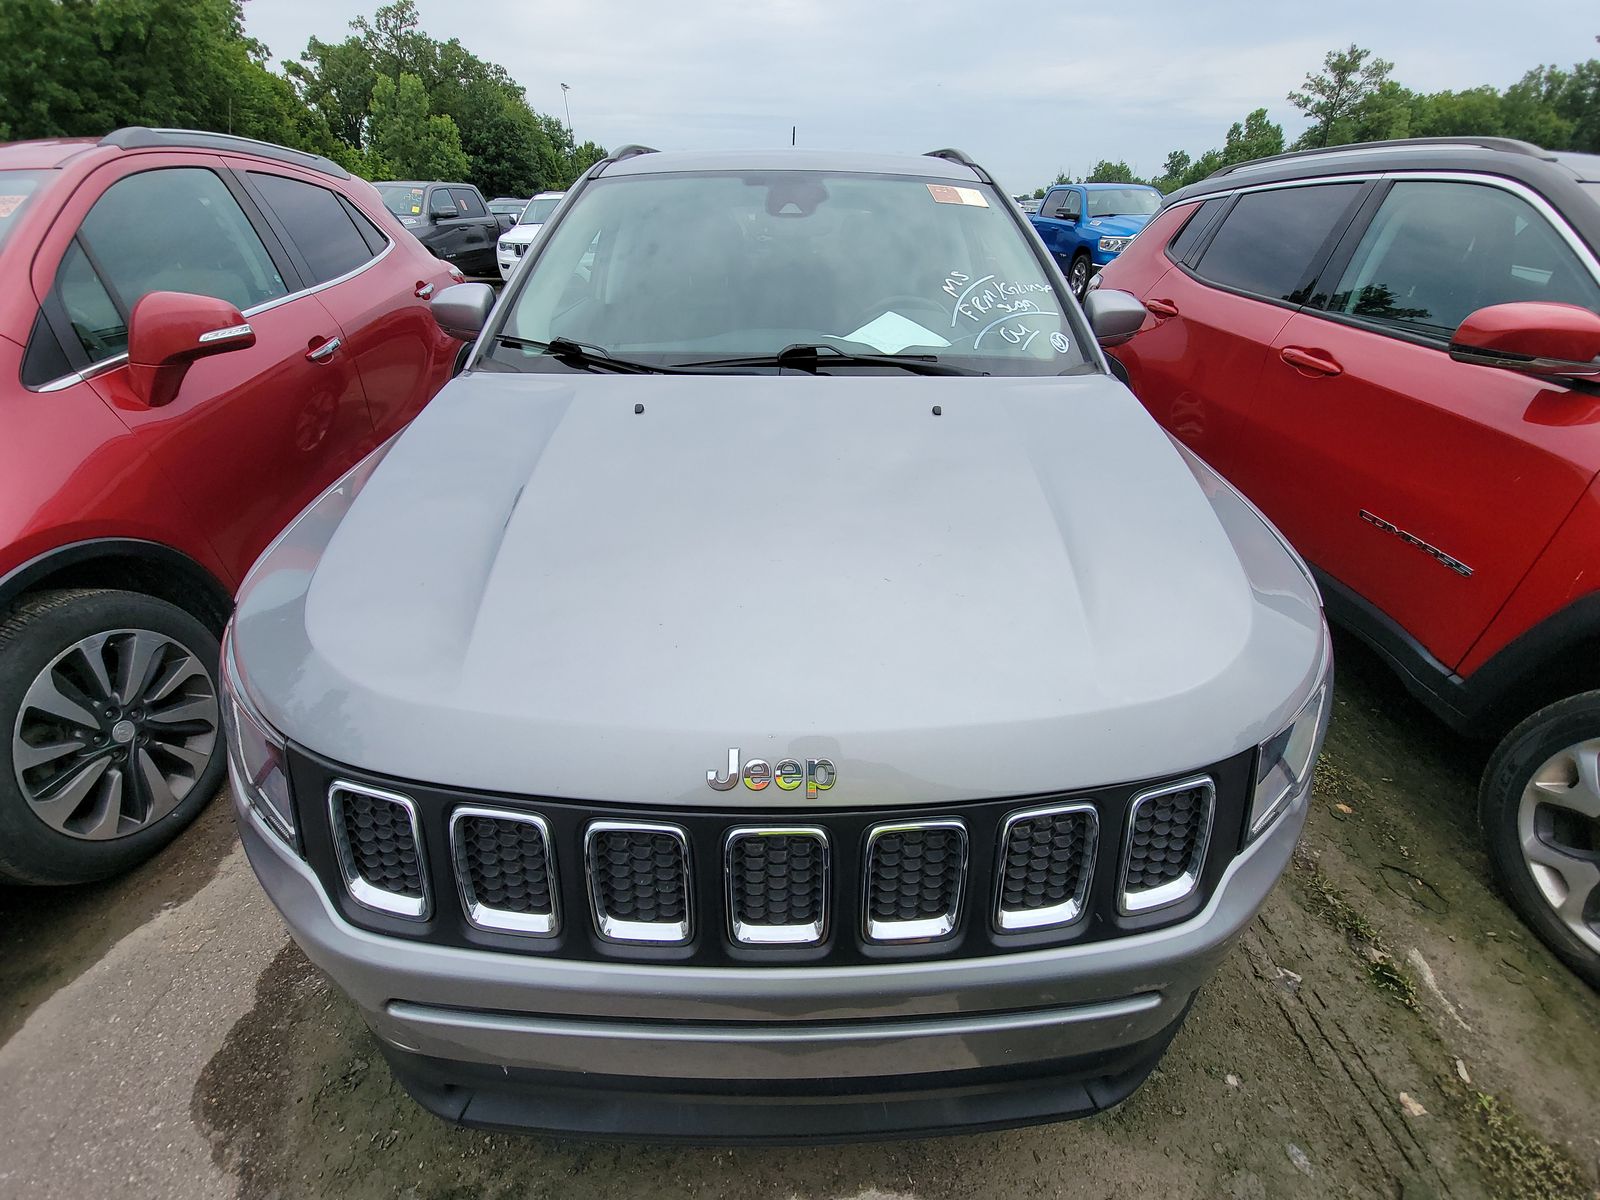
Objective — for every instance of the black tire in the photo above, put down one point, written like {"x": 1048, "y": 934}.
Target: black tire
{"x": 33, "y": 634}
{"x": 1511, "y": 769}
{"x": 1078, "y": 274}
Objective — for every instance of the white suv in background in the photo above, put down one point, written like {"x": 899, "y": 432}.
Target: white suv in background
{"x": 515, "y": 241}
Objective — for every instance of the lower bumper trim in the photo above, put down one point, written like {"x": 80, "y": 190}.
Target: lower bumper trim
{"x": 775, "y": 1112}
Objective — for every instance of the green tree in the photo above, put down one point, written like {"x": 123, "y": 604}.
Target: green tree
{"x": 1106, "y": 171}
{"x": 410, "y": 141}
{"x": 1331, "y": 99}
{"x": 1255, "y": 137}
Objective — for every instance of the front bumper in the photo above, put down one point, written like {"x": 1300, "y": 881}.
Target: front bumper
{"x": 653, "y": 1051}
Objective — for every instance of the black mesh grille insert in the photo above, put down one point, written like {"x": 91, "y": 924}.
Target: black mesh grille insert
{"x": 504, "y": 863}
{"x": 1048, "y": 858}
{"x": 915, "y": 874}
{"x": 639, "y": 875}
{"x": 777, "y": 879}
{"x": 383, "y": 849}
{"x": 1166, "y": 837}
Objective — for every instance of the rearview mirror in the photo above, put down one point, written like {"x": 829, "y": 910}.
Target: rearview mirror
{"x": 463, "y": 310}
{"x": 169, "y": 330}
{"x": 1536, "y": 337}
{"x": 1114, "y": 316}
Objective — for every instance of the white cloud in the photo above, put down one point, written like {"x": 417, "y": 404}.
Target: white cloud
{"x": 1026, "y": 88}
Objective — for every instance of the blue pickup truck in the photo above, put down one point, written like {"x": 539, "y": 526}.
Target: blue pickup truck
{"x": 1086, "y": 225}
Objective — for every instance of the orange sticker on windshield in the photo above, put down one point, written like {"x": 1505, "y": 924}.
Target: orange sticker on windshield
{"x": 9, "y": 205}
{"x": 944, "y": 193}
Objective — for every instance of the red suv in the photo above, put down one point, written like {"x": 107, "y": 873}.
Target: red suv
{"x": 198, "y": 334}
{"x": 1392, "y": 349}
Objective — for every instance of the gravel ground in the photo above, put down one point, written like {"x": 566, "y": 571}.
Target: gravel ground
{"x": 1386, "y": 1028}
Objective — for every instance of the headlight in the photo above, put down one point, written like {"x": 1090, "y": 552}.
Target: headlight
{"x": 257, "y": 762}
{"x": 1114, "y": 245}
{"x": 1285, "y": 760}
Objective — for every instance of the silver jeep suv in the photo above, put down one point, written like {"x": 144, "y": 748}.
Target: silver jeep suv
{"x": 785, "y": 687}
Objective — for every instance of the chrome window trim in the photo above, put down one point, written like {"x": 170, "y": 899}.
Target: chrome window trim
{"x": 1515, "y": 187}
{"x": 810, "y": 934}
{"x": 652, "y": 933}
{"x": 1055, "y": 916}
{"x": 1183, "y": 886}
{"x": 417, "y": 908}
{"x": 117, "y": 360}
{"x": 498, "y": 920}
{"x": 924, "y": 929}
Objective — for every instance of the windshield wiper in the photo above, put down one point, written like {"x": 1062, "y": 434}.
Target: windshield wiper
{"x": 581, "y": 354}
{"x": 803, "y": 356}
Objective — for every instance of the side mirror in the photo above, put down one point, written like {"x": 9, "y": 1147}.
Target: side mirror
{"x": 169, "y": 330}
{"x": 1114, "y": 316}
{"x": 463, "y": 310}
{"x": 1536, "y": 337}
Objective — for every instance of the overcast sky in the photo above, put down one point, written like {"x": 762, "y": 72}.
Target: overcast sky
{"x": 1028, "y": 88}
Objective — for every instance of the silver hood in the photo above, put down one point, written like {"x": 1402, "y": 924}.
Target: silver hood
{"x": 538, "y": 590}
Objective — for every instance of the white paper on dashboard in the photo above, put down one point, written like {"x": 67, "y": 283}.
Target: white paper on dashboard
{"x": 892, "y": 333}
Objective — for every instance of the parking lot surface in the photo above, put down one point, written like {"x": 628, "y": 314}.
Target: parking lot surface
{"x": 1386, "y": 1028}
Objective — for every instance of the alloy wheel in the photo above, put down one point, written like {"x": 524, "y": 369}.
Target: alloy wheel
{"x": 1558, "y": 826}
{"x": 1079, "y": 278}
{"x": 114, "y": 732}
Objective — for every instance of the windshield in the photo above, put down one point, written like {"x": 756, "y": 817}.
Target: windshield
{"x": 16, "y": 188}
{"x": 1123, "y": 202}
{"x": 401, "y": 199}
{"x": 539, "y": 210}
{"x": 509, "y": 207}
{"x": 684, "y": 269}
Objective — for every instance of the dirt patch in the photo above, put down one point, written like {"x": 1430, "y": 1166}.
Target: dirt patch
{"x": 50, "y": 935}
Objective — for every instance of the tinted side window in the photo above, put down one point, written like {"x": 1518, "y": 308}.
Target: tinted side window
{"x": 317, "y": 222}
{"x": 45, "y": 358}
{"x": 1053, "y": 204}
{"x": 440, "y": 203}
{"x": 1268, "y": 239}
{"x": 374, "y": 237}
{"x": 178, "y": 229}
{"x": 1073, "y": 207}
{"x": 101, "y": 326}
{"x": 1437, "y": 251}
{"x": 469, "y": 204}
{"x": 1200, "y": 218}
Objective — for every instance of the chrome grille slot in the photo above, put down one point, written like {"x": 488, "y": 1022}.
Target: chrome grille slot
{"x": 638, "y": 881}
{"x": 777, "y": 886}
{"x": 1046, "y": 865}
{"x": 379, "y": 846}
{"x": 914, "y": 876}
{"x": 1168, "y": 830}
{"x": 504, "y": 870}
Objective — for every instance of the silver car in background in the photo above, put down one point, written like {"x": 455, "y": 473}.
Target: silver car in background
{"x": 514, "y": 242}
{"x": 784, "y": 687}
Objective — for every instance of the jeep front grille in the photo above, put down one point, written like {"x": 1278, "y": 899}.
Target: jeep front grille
{"x": 379, "y": 847}
{"x": 504, "y": 870}
{"x": 914, "y": 877}
{"x": 1165, "y": 847}
{"x": 777, "y": 886}
{"x": 1046, "y": 864}
{"x": 638, "y": 881}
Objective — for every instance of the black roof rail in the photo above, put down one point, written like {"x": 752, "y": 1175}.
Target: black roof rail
{"x": 632, "y": 150}
{"x": 139, "y": 137}
{"x": 1505, "y": 145}
{"x": 950, "y": 154}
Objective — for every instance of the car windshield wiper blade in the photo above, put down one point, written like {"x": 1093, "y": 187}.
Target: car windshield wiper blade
{"x": 581, "y": 354}
{"x": 804, "y": 356}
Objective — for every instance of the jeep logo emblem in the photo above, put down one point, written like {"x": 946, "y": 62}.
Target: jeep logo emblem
{"x": 818, "y": 774}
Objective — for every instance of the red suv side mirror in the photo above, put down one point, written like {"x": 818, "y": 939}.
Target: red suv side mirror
{"x": 1560, "y": 341}
{"x": 169, "y": 330}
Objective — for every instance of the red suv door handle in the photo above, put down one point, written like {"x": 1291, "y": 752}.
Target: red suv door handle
{"x": 1162, "y": 308}
{"x": 323, "y": 351}
{"x": 1306, "y": 360}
